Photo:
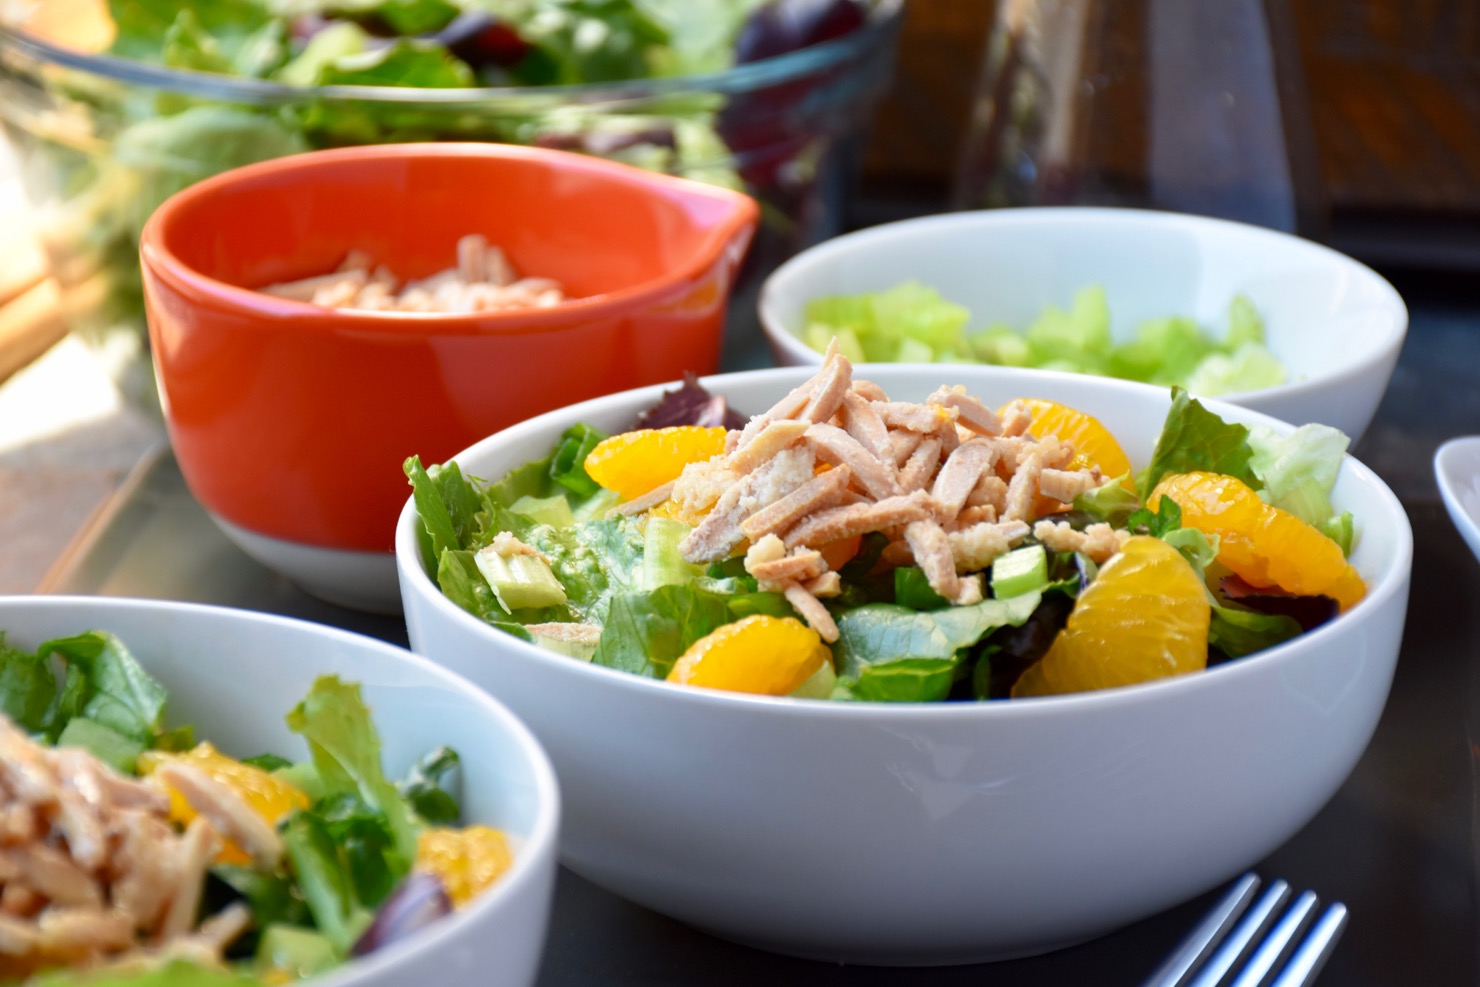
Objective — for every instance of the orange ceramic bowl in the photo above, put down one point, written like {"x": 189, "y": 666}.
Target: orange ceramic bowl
{"x": 291, "y": 422}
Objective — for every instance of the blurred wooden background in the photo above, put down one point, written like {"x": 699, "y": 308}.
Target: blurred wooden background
{"x": 1391, "y": 99}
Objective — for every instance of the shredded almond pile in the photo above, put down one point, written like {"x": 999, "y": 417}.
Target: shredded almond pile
{"x": 482, "y": 281}
{"x": 92, "y": 871}
{"x": 949, "y": 482}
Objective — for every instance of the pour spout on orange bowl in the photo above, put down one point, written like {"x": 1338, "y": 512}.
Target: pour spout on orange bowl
{"x": 291, "y": 421}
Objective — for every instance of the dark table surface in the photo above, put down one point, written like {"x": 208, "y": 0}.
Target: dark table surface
{"x": 1397, "y": 843}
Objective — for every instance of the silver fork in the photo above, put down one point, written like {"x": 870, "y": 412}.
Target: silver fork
{"x": 1264, "y": 949}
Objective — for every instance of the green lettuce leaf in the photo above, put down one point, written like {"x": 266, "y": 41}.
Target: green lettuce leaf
{"x": 567, "y": 465}
{"x": 1193, "y": 439}
{"x": 174, "y": 973}
{"x": 324, "y": 880}
{"x": 449, "y": 506}
{"x": 345, "y": 748}
{"x": 27, "y": 689}
{"x": 700, "y": 33}
{"x": 645, "y": 633}
{"x": 1077, "y": 339}
{"x": 145, "y": 28}
{"x": 1250, "y": 367}
{"x": 886, "y": 652}
{"x": 1110, "y": 502}
{"x": 364, "y": 841}
{"x": 593, "y": 560}
{"x": 588, "y": 41}
{"x": 405, "y": 17}
{"x": 273, "y": 898}
{"x": 1238, "y": 632}
{"x": 101, "y": 680}
{"x": 334, "y": 42}
{"x": 404, "y": 62}
{"x": 164, "y": 154}
{"x": 423, "y": 787}
{"x": 1299, "y": 470}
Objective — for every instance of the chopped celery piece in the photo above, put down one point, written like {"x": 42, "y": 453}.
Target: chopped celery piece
{"x": 912, "y": 322}
{"x": 1341, "y": 530}
{"x": 596, "y": 505}
{"x": 104, "y": 743}
{"x": 520, "y": 581}
{"x": 1000, "y": 345}
{"x": 1244, "y": 323}
{"x": 852, "y": 312}
{"x": 554, "y": 510}
{"x": 662, "y": 563}
{"x": 1022, "y": 570}
{"x": 913, "y": 351}
{"x": 819, "y": 685}
{"x": 580, "y": 650}
{"x": 293, "y": 950}
{"x": 921, "y": 314}
{"x": 1250, "y": 367}
{"x": 818, "y": 336}
{"x": 1080, "y": 336}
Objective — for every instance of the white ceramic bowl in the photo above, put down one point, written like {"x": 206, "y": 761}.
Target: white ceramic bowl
{"x": 235, "y": 674}
{"x": 1335, "y": 324}
{"x": 1457, "y": 469}
{"x": 945, "y": 833}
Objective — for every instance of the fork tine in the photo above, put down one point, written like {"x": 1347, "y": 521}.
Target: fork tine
{"x": 1264, "y": 949}
{"x": 1241, "y": 939}
{"x": 1203, "y": 939}
{"x": 1316, "y": 949}
{"x": 1280, "y": 941}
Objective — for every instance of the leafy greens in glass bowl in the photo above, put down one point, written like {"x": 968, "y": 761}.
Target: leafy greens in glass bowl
{"x": 113, "y": 105}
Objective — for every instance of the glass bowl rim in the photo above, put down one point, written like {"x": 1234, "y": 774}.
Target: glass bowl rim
{"x": 883, "y": 16}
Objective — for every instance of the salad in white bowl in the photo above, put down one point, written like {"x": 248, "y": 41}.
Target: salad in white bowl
{"x": 845, "y": 545}
{"x": 143, "y": 842}
{"x": 914, "y": 832}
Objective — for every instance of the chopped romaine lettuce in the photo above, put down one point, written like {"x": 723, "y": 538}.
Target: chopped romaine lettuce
{"x": 913, "y": 322}
{"x": 423, "y": 787}
{"x": 568, "y": 465}
{"x": 1299, "y": 472}
{"x": 174, "y": 973}
{"x": 100, "y": 681}
{"x": 645, "y": 633}
{"x": 345, "y": 748}
{"x": 1237, "y": 632}
{"x": 1192, "y": 439}
{"x": 890, "y": 652}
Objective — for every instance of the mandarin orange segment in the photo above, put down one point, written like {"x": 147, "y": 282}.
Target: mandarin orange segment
{"x": 467, "y": 861}
{"x": 633, "y": 463}
{"x": 266, "y": 794}
{"x": 1265, "y": 546}
{"x": 761, "y": 654}
{"x": 1093, "y": 443}
{"x": 838, "y": 553}
{"x": 1144, "y": 617}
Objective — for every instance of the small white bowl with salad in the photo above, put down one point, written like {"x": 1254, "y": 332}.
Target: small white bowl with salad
{"x": 222, "y": 798}
{"x": 855, "y": 664}
{"x": 1260, "y": 318}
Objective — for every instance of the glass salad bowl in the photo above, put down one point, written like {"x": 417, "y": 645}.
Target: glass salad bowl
{"x": 101, "y": 140}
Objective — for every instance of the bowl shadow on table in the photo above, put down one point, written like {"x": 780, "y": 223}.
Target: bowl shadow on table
{"x": 594, "y": 922}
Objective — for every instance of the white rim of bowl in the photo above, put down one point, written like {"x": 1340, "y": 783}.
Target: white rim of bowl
{"x": 738, "y": 80}
{"x": 822, "y": 253}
